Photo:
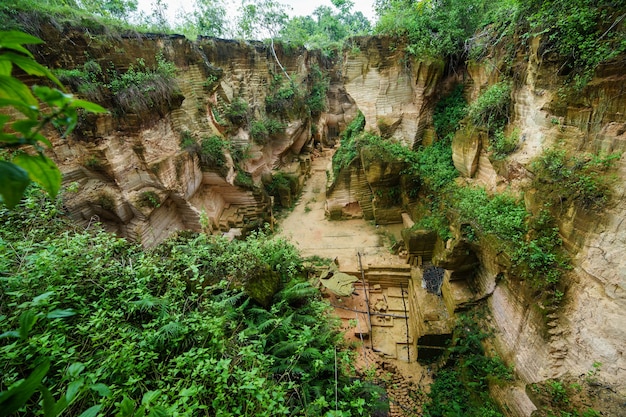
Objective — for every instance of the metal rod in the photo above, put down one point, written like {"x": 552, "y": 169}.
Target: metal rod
{"x": 367, "y": 301}
{"x": 406, "y": 319}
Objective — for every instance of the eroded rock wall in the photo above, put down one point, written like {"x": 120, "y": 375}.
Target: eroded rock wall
{"x": 129, "y": 171}
{"x": 590, "y": 326}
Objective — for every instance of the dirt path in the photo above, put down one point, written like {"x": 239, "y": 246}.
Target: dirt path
{"x": 314, "y": 235}
{"x": 307, "y": 227}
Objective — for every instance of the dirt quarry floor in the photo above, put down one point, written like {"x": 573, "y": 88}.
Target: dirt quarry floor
{"x": 382, "y": 349}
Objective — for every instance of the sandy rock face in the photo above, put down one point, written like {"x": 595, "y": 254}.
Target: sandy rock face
{"x": 131, "y": 174}
{"x": 392, "y": 90}
{"x": 588, "y": 328}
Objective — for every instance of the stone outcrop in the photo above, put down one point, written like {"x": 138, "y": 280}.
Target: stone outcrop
{"x": 393, "y": 90}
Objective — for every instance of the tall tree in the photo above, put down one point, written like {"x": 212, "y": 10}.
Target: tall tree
{"x": 263, "y": 18}
{"x": 210, "y": 17}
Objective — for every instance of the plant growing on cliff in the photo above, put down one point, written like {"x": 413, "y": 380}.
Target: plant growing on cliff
{"x": 211, "y": 152}
{"x": 237, "y": 111}
{"x": 582, "y": 179}
{"x": 347, "y": 146}
{"x": 284, "y": 99}
{"x": 263, "y": 130}
{"x": 316, "y": 100}
{"x": 461, "y": 386}
{"x": 585, "y": 33}
{"x": 21, "y": 164}
{"x": 171, "y": 333}
{"x": 449, "y": 112}
{"x": 491, "y": 109}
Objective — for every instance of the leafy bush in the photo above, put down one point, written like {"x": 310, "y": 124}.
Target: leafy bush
{"x": 491, "y": 108}
{"x": 582, "y": 179}
{"x": 432, "y": 28}
{"x": 142, "y": 88}
{"x": 170, "y": 333}
{"x": 281, "y": 182}
{"x": 316, "y": 100}
{"x": 501, "y": 145}
{"x": 237, "y": 111}
{"x": 449, "y": 112}
{"x": 262, "y": 130}
{"x": 500, "y": 215}
{"x": 347, "y": 150}
{"x": 284, "y": 99}
{"x": 585, "y": 33}
{"x": 187, "y": 142}
{"x": 149, "y": 199}
{"x": 211, "y": 152}
{"x": 462, "y": 386}
{"x": 434, "y": 165}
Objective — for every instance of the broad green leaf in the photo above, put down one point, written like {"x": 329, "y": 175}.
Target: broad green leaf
{"x": 91, "y": 411}
{"x": 89, "y": 106}
{"x": 11, "y": 139}
{"x": 42, "y": 297}
{"x": 13, "y": 89}
{"x": 41, "y": 138}
{"x": 57, "y": 314}
{"x": 15, "y": 398}
{"x": 150, "y": 396}
{"x": 6, "y": 66}
{"x": 24, "y": 126}
{"x": 32, "y": 67}
{"x": 126, "y": 408}
{"x": 26, "y": 109}
{"x": 158, "y": 411}
{"x": 42, "y": 170}
{"x": 13, "y": 183}
{"x": 10, "y": 333}
{"x": 14, "y": 39}
{"x": 48, "y": 402}
{"x": 73, "y": 389}
{"x": 11, "y": 37}
{"x": 102, "y": 390}
{"x": 27, "y": 321}
{"x": 52, "y": 96}
{"x": 75, "y": 369}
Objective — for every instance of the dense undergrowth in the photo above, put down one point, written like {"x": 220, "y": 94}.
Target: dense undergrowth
{"x": 169, "y": 331}
{"x": 461, "y": 386}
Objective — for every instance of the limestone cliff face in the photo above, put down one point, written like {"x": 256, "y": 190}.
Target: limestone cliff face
{"x": 130, "y": 172}
{"x": 396, "y": 94}
{"x": 590, "y": 327}
{"x": 394, "y": 91}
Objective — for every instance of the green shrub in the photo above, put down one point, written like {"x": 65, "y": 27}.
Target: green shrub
{"x": 461, "y": 387}
{"x": 501, "y": 145}
{"x": 211, "y": 152}
{"x": 347, "y": 149}
{"x": 237, "y": 112}
{"x": 106, "y": 201}
{"x": 263, "y": 130}
{"x": 149, "y": 199}
{"x": 284, "y": 99}
{"x": 491, "y": 108}
{"x": 582, "y": 179}
{"x": 500, "y": 214}
{"x": 434, "y": 166}
{"x": 448, "y": 113}
{"x": 174, "y": 331}
{"x": 281, "y": 182}
{"x": 187, "y": 142}
{"x": 584, "y": 33}
{"x": 316, "y": 100}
